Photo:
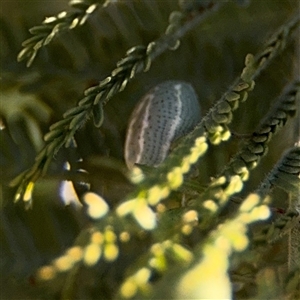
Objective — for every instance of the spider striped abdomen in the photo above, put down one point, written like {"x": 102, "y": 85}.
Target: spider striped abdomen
{"x": 167, "y": 112}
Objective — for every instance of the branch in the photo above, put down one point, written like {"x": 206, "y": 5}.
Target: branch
{"x": 55, "y": 25}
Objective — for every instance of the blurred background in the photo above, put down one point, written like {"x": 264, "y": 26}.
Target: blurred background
{"x": 31, "y": 99}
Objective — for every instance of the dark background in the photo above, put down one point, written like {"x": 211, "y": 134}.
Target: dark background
{"x": 31, "y": 99}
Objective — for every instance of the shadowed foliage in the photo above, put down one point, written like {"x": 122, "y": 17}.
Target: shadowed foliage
{"x": 221, "y": 211}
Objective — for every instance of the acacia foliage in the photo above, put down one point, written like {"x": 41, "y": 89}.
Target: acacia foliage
{"x": 115, "y": 246}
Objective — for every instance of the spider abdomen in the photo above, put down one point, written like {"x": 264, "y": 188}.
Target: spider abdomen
{"x": 168, "y": 111}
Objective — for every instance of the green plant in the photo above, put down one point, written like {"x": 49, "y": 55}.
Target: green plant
{"x": 136, "y": 240}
